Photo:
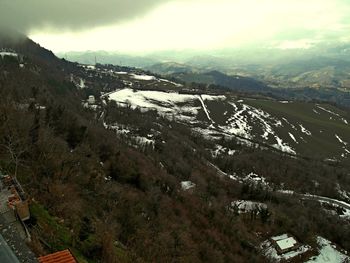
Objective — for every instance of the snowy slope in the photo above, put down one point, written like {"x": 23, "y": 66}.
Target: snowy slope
{"x": 314, "y": 129}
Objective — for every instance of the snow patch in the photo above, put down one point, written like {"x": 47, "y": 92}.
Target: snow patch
{"x": 244, "y": 206}
{"x": 304, "y": 130}
{"x": 171, "y": 82}
{"x": 328, "y": 253}
{"x": 283, "y": 146}
{"x": 8, "y": 53}
{"x": 187, "y": 185}
{"x": 340, "y": 140}
{"x": 142, "y": 77}
{"x": 329, "y": 111}
{"x": 205, "y": 108}
{"x": 292, "y": 136}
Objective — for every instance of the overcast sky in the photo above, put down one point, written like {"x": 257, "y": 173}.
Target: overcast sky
{"x": 148, "y": 25}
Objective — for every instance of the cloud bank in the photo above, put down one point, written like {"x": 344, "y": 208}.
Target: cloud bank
{"x": 26, "y": 15}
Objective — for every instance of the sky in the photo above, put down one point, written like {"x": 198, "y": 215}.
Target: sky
{"x": 155, "y": 25}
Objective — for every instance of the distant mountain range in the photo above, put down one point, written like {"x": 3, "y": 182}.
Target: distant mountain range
{"x": 104, "y": 57}
{"x": 320, "y": 73}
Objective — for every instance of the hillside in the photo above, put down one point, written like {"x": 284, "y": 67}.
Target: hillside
{"x": 125, "y": 166}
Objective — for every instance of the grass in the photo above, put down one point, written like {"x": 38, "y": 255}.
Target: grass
{"x": 323, "y": 142}
{"x": 60, "y": 237}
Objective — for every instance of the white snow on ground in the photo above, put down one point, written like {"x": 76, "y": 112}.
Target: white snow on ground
{"x": 168, "y": 104}
{"x": 143, "y": 141}
{"x": 142, "y": 77}
{"x": 205, "y": 108}
{"x": 283, "y": 146}
{"x": 245, "y": 206}
{"x": 344, "y": 146}
{"x": 337, "y": 210}
{"x": 343, "y": 194}
{"x": 119, "y": 129}
{"x": 238, "y": 123}
{"x": 213, "y": 97}
{"x": 231, "y": 152}
{"x": 345, "y": 121}
{"x": 287, "y": 192}
{"x": 328, "y": 253}
{"x": 92, "y": 67}
{"x": 343, "y": 206}
{"x": 292, "y": 125}
{"x": 124, "y": 130}
{"x": 165, "y": 103}
{"x": 187, "y": 185}
{"x": 251, "y": 178}
{"x": 304, "y": 130}
{"x": 7, "y": 53}
{"x": 244, "y": 116}
{"x": 315, "y": 111}
{"x": 171, "y": 82}
{"x": 329, "y": 111}
{"x": 255, "y": 180}
{"x": 241, "y": 120}
{"x": 219, "y": 150}
{"x": 81, "y": 84}
{"x": 292, "y": 136}
{"x": 340, "y": 140}
{"x": 270, "y": 251}
{"x": 121, "y": 73}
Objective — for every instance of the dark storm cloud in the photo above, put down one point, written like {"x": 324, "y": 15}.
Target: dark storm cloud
{"x": 25, "y": 15}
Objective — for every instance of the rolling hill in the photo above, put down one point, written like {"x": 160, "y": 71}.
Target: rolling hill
{"x": 127, "y": 166}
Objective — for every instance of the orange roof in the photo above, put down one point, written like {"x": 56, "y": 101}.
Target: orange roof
{"x": 59, "y": 257}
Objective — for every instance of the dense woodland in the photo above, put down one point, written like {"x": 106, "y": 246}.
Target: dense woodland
{"x": 95, "y": 192}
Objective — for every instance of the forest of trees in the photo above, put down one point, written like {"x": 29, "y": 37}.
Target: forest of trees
{"x": 64, "y": 157}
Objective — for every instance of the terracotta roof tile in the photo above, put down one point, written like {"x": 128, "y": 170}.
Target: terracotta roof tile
{"x": 59, "y": 257}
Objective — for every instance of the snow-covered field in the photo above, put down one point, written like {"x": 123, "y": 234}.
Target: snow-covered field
{"x": 328, "y": 253}
{"x": 182, "y": 107}
{"x": 185, "y": 107}
{"x": 247, "y": 123}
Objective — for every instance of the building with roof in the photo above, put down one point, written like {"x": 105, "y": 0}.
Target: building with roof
{"x": 64, "y": 256}
{"x": 285, "y": 243}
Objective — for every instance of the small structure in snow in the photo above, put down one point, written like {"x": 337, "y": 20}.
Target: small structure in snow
{"x": 283, "y": 248}
{"x": 187, "y": 185}
{"x": 91, "y": 100}
{"x": 285, "y": 243}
